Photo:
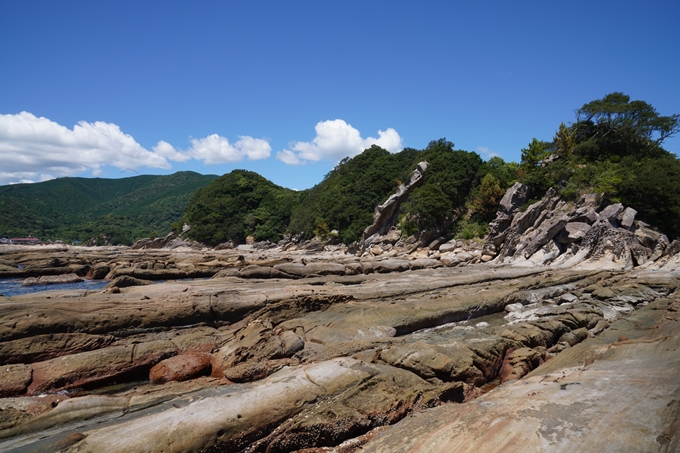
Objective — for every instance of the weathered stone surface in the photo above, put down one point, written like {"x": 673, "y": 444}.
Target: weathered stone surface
{"x": 77, "y": 369}
{"x": 125, "y": 281}
{"x": 385, "y": 215}
{"x": 424, "y": 263}
{"x": 628, "y": 218}
{"x": 519, "y": 362}
{"x": 100, "y": 271}
{"x": 87, "y": 367}
{"x": 572, "y": 232}
{"x": 180, "y": 368}
{"x": 43, "y": 347}
{"x": 418, "y": 338}
{"x": 611, "y": 213}
{"x": 451, "y": 363}
{"x": 225, "y": 418}
{"x": 565, "y": 404}
{"x": 261, "y": 272}
{"x": 52, "y": 279}
{"x": 390, "y": 265}
{"x": 14, "y": 379}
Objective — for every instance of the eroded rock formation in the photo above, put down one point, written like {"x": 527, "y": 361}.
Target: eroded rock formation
{"x": 566, "y": 317}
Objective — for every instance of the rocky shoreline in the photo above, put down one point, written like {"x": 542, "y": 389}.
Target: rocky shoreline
{"x": 449, "y": 345}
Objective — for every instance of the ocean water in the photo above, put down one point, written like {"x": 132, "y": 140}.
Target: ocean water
{"x": 12, "y": 286}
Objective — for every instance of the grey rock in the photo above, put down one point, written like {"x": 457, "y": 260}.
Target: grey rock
{"x": 611, "y": 213}
{"x": 572, "y": 232}
{"x": 385, "y": 215}
{"x": 628, "y": 218}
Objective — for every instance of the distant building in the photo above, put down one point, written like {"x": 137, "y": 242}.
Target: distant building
{"x": 5, "y": 241}
{"x": 30, "y": 240}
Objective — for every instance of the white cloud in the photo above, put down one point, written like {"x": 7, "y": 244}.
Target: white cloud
{"x": 38, "y": 149}
{"x": 214, "y": 149}
{"x": 486, "y": 153}
{"x": 335, "y": 139}
{"x": 168, "y": 151}
{"x": 34, "y": 149}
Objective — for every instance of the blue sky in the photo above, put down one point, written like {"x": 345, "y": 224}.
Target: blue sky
{"x": 287, "y": 89}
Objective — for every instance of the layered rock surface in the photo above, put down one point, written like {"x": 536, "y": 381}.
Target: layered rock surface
{"x": 565, "y": 318}
{"x": 283, "y": 364}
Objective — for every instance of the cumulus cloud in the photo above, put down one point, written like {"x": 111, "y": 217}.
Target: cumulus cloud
{"x": 486, "y": 153}
{"x": 335, "y": 139}
{"x": 34, "y": 149}
{"x": 168, "y": 151}
{"x": 38, "y": 149}
{"x": 214, "y": 149}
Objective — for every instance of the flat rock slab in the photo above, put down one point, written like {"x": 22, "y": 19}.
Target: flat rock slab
{"x": 224, "y": 418}
{"x": 609, "y": 393}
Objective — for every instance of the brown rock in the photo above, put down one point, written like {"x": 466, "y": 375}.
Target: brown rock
{"x": 125, "y": 281}
{"x": 14, "y": 379}
{"x": 52, "y": 279}
{"x": 519, "y": 362}
{"x": 180, "y": 368}
{"x": 44, "y": 347}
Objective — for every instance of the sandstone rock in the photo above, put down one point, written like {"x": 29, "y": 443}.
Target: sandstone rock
{"x": 125, "y": 281}
{"x": 156, "y": 243}
{"x": 290, "y": 343}
{"x": 87, "y": 367}
{"x": 180, "y": 368}
{"x": 390, "y": 265}
{"x": 261, "y": 272}
{"x": 449, "y": 363}
{"x": 448, "y": 247}
{"x": 52, "y": 279}
{"x": 451, "y": 260}
{"x": 302, "y": 270}
{"x": 43, "y": 347}
{"x": 226, "y": 417}
{"x": 519, "y": 362}
{"x": 585, "y": 215}
{"x": 543, "y": 235}
{"x": 647, "y": 236}
{"x": 229, "y": 272}
{"x": 14, "y": 379}
{"x": 100, "y": 271}
{"x": 229, "y": 245}
{"x": 424, "y": 263}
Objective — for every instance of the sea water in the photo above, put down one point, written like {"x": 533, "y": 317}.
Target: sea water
{"x": 13, "y": 287}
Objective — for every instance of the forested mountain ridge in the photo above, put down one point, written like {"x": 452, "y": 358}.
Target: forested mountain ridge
{"x": 122, "y": 209}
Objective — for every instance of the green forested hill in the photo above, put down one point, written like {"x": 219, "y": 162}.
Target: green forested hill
{"x": 240, "y": 204}
{"x": 80, "y": 208}
{"x": 243, "y": 203}
{"x": 346, "y": 199}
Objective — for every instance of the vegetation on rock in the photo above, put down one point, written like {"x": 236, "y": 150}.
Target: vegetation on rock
{"x": 613, "y": 148}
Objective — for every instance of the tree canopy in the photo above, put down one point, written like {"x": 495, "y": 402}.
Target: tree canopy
{"x": 613, "y": 148}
